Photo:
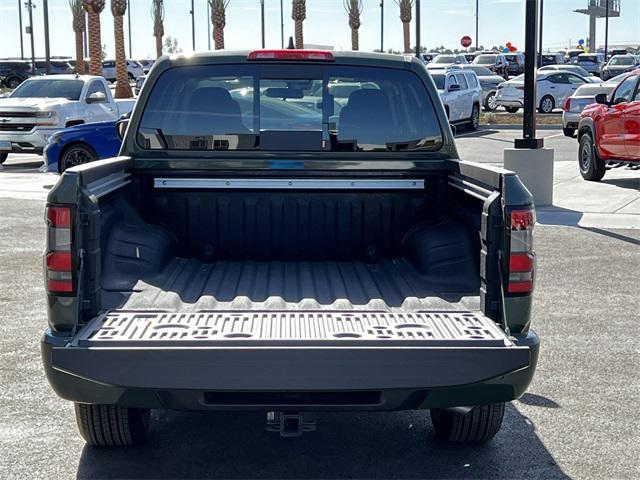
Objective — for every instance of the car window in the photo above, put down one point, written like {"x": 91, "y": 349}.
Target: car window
{"x": 96, "y": 87}
{"x": 472, "y": 80}
{"x": 439, "y": 80}
{"x": 288, "y": 108}
{"x": 557, "y": 78}
{"x": 462, "y": 81}
{"x": 575, "y": 80}
{"x": 625, "y": 91}
{"x": 626, "y": 60}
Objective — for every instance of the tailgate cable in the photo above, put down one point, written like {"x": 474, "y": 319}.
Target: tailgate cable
{"x": 502, "y": 297}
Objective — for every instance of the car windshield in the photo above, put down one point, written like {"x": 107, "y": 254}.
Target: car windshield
{"x": 592, "y": 90}
{"x": 279, "y": 108}
{"x": 480, "y": 71}
{"x": 69, "y": 89}
{"x": 445, "y": 59}
{"x": 587, "y": 59}
{"x": 486, "y": 59}
{"x": 439, "y": 80}
{"x": 621, "y": 61}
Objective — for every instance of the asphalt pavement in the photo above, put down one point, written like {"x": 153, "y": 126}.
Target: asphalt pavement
{"x": 578, "y": 419}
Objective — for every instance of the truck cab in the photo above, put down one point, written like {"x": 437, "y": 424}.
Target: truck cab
{"x": 258, "y": 245}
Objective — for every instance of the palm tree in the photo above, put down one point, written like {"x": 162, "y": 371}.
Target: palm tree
{"x": 354, "y": 9}
{"x": 219, "y": 21}
{"x": 123, "y": 89}
{"x": 157, "y": 14}
{"x": 77, "y": 10}
{"x": 94, "y": 9}
{"x": 298, "y": 14}
{"x": 406, "y": 11}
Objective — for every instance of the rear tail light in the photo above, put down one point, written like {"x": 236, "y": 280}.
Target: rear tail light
{"x": 521, "y": 255}
{"x": 59, "y": 253}
{"x": 567, "y": 105}
{"x": 317, "y": 55}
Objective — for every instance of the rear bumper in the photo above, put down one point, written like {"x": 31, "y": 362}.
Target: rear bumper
{"x": 207, "y": 378}
{"x": 570, "y": 119}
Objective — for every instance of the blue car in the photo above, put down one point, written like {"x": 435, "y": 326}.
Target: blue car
{"x": 81, "y": 144}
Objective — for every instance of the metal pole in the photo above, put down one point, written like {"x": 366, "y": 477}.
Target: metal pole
{"x": 417, "y": 28}
{"x": 281, "y": 26}
{"x": 129, "y": 22}
{"x": 477, "y": 24}
{"x": 606, "y": 33}
{"x": 208, "y": 27}
{"x": 47, "y": 50}
{"x": 21, "y": 27}
{"x": 86, "y": 39}
{"x": 262, "y": 20}
{"x": 528, "y": 139}
{"x": 540, "y": 36}
{"x": 31, "y": 6}
{"x": 382, "y": 26}
{"x": 193, "y": 26}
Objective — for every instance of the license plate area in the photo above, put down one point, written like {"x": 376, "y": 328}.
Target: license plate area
{"x": 5, "y": 146}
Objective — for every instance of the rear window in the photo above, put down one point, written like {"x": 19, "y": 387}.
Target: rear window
{"x": 289, "y": 108}
{"x": 587, "y": 59}
{"x": 621, "y": 61}
{"x": 486, "y": 59}
{"x": 592, "y": 90}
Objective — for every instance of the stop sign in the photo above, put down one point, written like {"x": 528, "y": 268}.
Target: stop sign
{"x": 466, "y": 41}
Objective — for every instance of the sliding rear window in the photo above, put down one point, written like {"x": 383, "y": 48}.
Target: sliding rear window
{"x": 289, "y": 108}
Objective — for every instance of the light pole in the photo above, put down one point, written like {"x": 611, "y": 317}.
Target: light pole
{"x": 129, "y": 22}
{"x": 381, "y": 26}
{"x": 193, "y": 27}
{"x": 477, "y": 23}
{"x": 47, "y": 50}
{"x": 208, "y": 15}
{"x": 29, "y": 4}
{"x": 281, "y": 26}
{"x": 20, "y": 22}
{"x": 262, "y": 20}
{"x": 540, "y": 34}
{"x": 417, "y": 28}
{"x": 606, "y": 33}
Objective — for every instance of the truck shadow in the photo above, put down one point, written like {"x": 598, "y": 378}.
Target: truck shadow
{"x": 346, "y": 445}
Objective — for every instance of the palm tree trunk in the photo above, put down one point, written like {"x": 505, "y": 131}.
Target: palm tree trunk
{"x": 299, "y": 39}
{"x": 123, "y": 89}
{"x": 158, "y": 46}
{"x": 79, "y": 53}
{"x": 218, "y": 37}
{"x": 95, "y": 48}
{"x": 354, "y": 39}
{"x": 407, "y": 38}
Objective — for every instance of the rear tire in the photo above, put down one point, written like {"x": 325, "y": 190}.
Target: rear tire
{"x": 12, "y": 82}
{"x": 474, "y": 121}
{"x": 592, "y": 167}
{"x": 3, "y": 157}
{"x": 512, "y": 109}
{"x": 569, "y": 132}
{"x": 479, "y": 425}
{"x": 111, "y": 426}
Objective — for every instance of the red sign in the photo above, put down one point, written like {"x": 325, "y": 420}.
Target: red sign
{"x": 466, "y": 41}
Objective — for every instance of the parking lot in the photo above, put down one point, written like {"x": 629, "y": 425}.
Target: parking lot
{"x": 578, "y": 420}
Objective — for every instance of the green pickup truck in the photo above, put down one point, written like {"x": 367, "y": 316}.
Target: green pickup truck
{"x": 289, "y": 231}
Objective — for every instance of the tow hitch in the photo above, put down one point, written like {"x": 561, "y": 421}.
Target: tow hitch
{"x": 290, "y": 424}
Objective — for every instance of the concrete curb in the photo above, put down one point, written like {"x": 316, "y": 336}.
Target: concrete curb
{"x": 505, "y": 126}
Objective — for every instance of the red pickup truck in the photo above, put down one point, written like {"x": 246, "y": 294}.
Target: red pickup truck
{"x": 609, "y": 130}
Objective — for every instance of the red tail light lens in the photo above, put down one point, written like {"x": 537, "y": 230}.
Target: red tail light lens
{"x": 567, "y": 105}
{"x": 59, "y": 253}
{"x": 317, "y": 55}
{"x": 521, "y": 255}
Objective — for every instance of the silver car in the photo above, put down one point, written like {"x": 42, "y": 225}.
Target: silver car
{"x": 489, "y": 82}
{"x": 591, "y": 62}
{"x": 573, "y": 106}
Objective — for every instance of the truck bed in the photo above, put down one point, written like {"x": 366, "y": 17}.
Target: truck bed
{"x": 189, "y": 285}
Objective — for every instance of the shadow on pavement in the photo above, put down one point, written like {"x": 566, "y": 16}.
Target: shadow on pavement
{"x": 482, "y": 132}
{"x": 633, "y": 183}
{"x": 346, "y": 445}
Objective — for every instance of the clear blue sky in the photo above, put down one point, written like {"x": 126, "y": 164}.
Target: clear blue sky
{"x": 443, "y": 22}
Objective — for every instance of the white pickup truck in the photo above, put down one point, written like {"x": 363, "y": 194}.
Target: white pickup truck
{"x": 40, "y": 106}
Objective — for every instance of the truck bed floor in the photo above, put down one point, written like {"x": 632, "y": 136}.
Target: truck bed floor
{"x": 189, "y": 285}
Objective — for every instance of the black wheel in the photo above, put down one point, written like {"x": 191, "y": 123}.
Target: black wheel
{"x": 111, "y": 426}
{"x": 76, "y": 155}
{"x": 3, "y": 157}
{"x": 569, "y": 132}
{"x": 592, "y": 167}
{"x": 547, "y": 104}
{"x": 490, "y": 102}
{"x": 474, "y": 121}
{"x": 512, "y": 109}
{"x": 478, "y": 425}
{"x": 131, "y": 77}
{"x": 12, "y": 82}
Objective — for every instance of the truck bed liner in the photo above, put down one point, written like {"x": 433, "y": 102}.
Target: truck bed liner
{"x": 189, "y": 285}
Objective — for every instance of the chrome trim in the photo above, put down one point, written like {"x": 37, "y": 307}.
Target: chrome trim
{"x": 289, "y": 184}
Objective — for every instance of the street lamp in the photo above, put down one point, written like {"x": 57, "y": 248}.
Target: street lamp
{"x": 262, "y": 20}
{"x": 129, "y": 22}
{"x": 477, "y": 23}
{"x": 382, "y": 26}
{"x": 417, "y": 28}
{"x": 193, "y": 26}
{"x": 30, "y": 6}
{"x": 20, "y": 22}
{"x": 47, "y": 50}
{"x": 281, "y": 26}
